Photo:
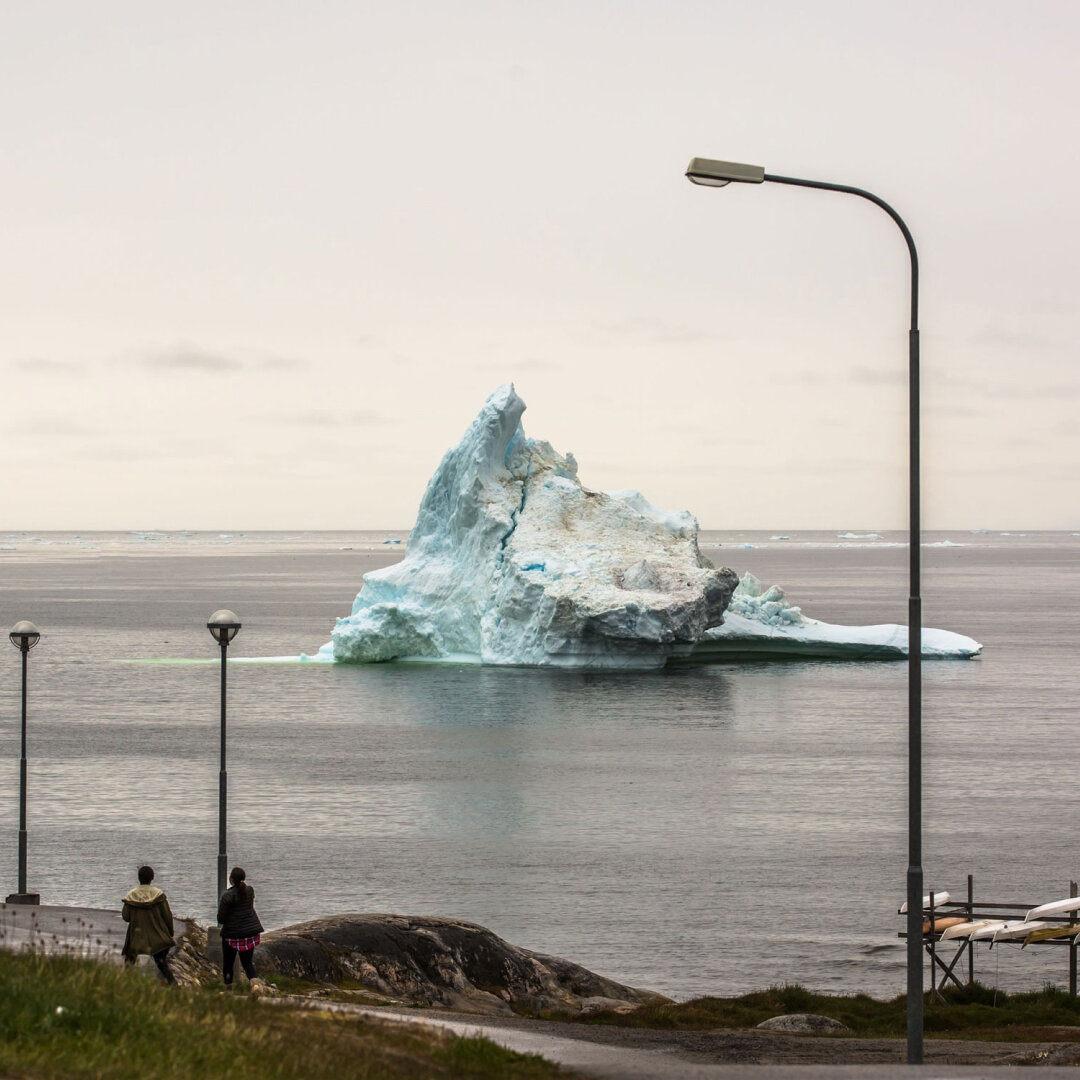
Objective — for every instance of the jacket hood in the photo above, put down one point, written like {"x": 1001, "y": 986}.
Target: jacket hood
{"x": 143, "y": 895}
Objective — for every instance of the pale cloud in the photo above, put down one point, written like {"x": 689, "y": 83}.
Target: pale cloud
{"x": 189, "y": 357}
{"x": 864, "y": 375}
{"x": 1025, "y": 389}
{"x": 879, "y": 377}
{"x": 649, "y": 330}
{"x": 515, "y": 367}
{"x": 281, "y": 363}
{"x": 45, "y": 366}
{"x": 51, "y": 427}
{"x": 323, "y": 418}
{"x": 959, "y": 412}
{"x": 1025, "y": 339}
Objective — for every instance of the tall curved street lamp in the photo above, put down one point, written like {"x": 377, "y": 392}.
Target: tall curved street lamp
{"x": 24, "y": 636}
{"x": 224, "y": 626}
{"x": 719, "y": 174}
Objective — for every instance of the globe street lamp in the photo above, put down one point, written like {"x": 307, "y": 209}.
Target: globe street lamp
{"x": 24, "y": 636}
{"x": 224, "y": 626}
{"x": 719, "y": 174}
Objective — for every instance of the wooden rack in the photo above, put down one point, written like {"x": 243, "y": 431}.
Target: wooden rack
{"x": 969, "y": 909}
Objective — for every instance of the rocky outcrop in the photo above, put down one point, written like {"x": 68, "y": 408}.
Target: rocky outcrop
{"x": 425, "y": 960}
{"x": 804, "y": 1024}
{"x": 189, "y": 962}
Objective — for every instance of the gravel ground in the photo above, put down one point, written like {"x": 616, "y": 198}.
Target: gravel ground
{"x": 761, "y": 1047}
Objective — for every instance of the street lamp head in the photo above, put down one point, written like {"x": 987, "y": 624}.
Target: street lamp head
{"x": 24, "y": 635}
{"x": 711, "y": 173}
{"x": 224, "y": 625}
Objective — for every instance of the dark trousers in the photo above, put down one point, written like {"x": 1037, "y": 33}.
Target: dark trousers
{"x": 162, "y": 961}
{"x": 228, "y": 958}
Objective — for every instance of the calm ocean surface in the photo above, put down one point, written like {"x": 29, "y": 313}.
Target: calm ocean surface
{"x": 701, "y": 830}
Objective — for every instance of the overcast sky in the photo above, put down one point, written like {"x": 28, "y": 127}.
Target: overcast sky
{"x": 261, "y": 263}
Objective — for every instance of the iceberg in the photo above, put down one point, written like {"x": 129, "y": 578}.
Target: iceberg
{"x": 513, "y": 561}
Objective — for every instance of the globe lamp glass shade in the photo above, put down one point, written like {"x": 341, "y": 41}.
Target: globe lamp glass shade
{"x": 24, "y": 635}
{"x": 224, "y": 625}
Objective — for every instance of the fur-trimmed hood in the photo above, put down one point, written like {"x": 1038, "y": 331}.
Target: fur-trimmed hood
{"x": 143, "y": 896}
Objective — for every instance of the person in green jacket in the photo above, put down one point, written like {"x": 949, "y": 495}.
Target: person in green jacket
{"x": 150, "y": 924}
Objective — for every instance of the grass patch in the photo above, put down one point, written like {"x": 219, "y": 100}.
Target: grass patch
{"x": 67, "y": 1019}
{"x": 472, "y": 1056}
{"x": 973, "y": 1012}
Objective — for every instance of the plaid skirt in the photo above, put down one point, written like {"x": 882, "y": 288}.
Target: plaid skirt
{"x": 242, "y": 944}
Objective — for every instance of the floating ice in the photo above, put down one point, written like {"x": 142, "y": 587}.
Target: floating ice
{"x": 513, "y": 561}
{"x": 760, "y": 623}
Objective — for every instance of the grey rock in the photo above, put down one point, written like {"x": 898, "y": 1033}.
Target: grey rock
{"x": 803, "y": 1024}
{"x": 189, "y": 963}
{"x": 432, "y": 961}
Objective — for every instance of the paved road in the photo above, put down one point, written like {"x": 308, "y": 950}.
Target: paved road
{"x": 607, "y": 1061}
{"x": 75, "y": 931}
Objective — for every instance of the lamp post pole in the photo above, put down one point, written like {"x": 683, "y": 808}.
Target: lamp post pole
{"x": 223, "y": 783}
{"x": 24, "y": 636}
{"x": 719, "y": 174}
{"x": 224, "y": 626}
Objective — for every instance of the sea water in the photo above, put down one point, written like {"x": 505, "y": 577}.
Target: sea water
{"x": 698, "y": 830}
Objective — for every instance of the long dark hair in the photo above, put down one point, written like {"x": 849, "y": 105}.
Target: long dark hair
{"x": 237, "y": 877}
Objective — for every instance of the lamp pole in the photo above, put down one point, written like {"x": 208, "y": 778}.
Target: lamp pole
{"x": 224, "y": 626}
{"x": 24, "y": 636}
{"x": 719, "y": 174}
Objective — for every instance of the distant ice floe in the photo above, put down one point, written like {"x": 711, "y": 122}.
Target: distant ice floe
{"x": 512, "y": 561}
{"x": 759, "y": 623}
{"x": 859, "y": 536}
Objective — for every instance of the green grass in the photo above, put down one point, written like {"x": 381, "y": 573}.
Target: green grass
{"x": 974, "y": 1012}
{"x": 63, "y": 1018}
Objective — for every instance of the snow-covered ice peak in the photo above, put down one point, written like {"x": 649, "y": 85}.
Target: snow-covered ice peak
{"x": 513, "y": 561}
{"x": 765, "y": 605}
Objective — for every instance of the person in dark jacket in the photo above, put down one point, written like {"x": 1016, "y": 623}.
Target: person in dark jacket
{"x": 240, "y": 926}
{"x": 150, "y": 924}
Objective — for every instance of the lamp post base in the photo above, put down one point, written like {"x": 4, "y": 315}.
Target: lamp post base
{"x": 23, "y": 898}
{"x": 213, "y": 945}
{"x": 214, "y": 953}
